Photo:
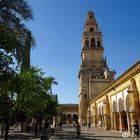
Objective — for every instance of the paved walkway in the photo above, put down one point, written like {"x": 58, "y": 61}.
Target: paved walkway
{"x": 89, "y": 134}
{"x": 70, "y": 133}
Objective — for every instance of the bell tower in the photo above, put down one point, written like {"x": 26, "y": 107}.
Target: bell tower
{"x": 94, "y": 74}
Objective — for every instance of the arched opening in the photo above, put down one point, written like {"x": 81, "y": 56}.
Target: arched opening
{"x": 99, "y": 43}
{"x": 87, "y": 43}
{"x": 85, "y": 96}
{"x": 114, "y": 109}
{"x": 75, "y": 118}
{"x": 127, "y": 103}
{"x": 124, "y": 121}
{"x": 116, "y": 120}
{"x": 91, "y": 29}
{"x": 92, "y": 42}
{"x": 120, "y": 105}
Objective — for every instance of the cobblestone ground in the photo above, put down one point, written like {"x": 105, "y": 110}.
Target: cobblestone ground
{"x": 70, "y": 133}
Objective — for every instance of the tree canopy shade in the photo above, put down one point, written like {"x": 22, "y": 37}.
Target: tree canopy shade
{"x": 26, "y": 95}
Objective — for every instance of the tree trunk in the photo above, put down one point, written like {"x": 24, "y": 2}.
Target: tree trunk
{"x": 40, "y": 126}
{"x": 6, "y": 131}
{"x": 26, "y": 53}
{"x": 36, "y": 127}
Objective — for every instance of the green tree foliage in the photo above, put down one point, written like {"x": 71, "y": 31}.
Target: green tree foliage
{"x": 14, "y": 36}
{"x": 14, "y": 10}
{"x": 8, "y": 39}
{"x": 35, "y": 99}
{"x": 7, "y": 76}
{"x": 26, "y": 95}
{"x": 35, "y": 92}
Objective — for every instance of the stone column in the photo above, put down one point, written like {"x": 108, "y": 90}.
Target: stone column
{"x": 128, "y": 122}
{"x": 133, "y": 97}
{"x": 88, "y": 115}
{"x": 95, "y": 123}
{"x": 115, "y": 121}
{"x": 107, "y": 114}
{"x": 96, "y": 116}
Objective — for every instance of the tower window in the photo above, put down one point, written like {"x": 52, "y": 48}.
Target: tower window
{"x": 85, "y": 96}
{"x": 91, "y": 29}
{"x": 92, "y": 42}
{"x": 87, "y": 43}
{"x": 90, "y": 16}
{"x": 98, "y": 43}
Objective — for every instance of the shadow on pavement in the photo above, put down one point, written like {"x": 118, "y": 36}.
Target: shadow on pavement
{"x": 21, "y": 136}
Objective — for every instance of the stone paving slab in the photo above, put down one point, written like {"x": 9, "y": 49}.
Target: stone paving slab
{"x": 70, "y": 133}
{"x": 89, "y": 134}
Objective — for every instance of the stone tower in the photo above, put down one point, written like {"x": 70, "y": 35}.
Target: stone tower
{"x": 94, "y": 74}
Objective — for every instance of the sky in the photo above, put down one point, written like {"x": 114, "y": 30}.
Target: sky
{"x": 58, "y": 26}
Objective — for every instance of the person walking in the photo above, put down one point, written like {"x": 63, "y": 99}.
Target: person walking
{"x": 60, "y": 127}
{"x": 78, "y": 128}
{"x": 89, "y": 125}
{"x": 136, "y": 130}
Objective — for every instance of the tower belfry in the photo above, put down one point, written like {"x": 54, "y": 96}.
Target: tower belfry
{"x": 94, "y": 74}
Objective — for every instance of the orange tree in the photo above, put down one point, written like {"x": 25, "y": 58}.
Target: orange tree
{"x": 34, "y": 97}
{"x": 24, "y": 95}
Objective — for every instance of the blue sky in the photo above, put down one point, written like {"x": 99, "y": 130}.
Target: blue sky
{"x": 58, "y": 26}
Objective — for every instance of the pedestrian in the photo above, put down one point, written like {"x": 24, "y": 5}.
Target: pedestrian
{"x": 73, "y": 124}
{"x": 136, "y": 129}
{"x": 60, "y": 127}
{"x": 99, "y": 123}
{"x": 78, "y": 128}
{"x": 89, "y": 125}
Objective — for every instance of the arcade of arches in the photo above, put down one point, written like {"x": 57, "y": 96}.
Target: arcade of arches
{"x": 112, "y": 104}
{"x": 117, "y": 106}
{"x": 70, "y": 113}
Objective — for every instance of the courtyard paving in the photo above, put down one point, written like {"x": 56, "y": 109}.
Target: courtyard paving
{"x": 89, "y": 134}
{"x": 70, "y": 133}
